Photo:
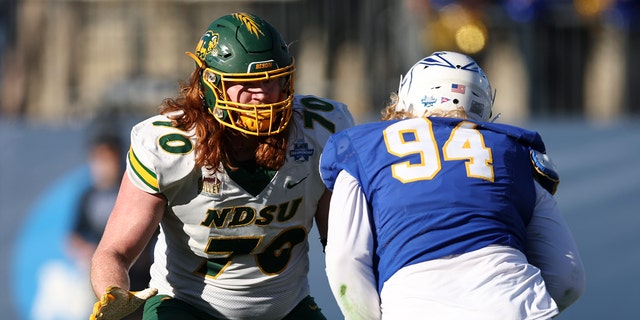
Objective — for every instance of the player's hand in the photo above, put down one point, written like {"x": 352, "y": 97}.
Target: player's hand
{"x": 117, "y": 303}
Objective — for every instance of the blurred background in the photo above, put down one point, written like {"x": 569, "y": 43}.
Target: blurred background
{"x": 70, "y": 69}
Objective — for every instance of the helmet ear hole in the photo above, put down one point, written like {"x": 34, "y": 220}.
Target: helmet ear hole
{"x": 456, "y": 101}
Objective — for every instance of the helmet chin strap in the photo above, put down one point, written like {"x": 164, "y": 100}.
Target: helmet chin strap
{"x": 496, "y": 117}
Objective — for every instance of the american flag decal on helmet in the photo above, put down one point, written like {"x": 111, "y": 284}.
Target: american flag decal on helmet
{"x": 457, "y": 88}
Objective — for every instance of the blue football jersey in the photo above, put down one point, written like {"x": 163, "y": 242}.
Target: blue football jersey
{"x": 437, "y": 186}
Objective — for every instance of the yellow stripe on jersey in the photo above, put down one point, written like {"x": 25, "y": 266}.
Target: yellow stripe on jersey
{"x": 147, "y": 176}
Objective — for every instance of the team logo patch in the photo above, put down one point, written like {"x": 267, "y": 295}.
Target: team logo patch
{"x": 301, "y": 151}
{"x": 210, "y": 185}
{"x": 428, "y": 101}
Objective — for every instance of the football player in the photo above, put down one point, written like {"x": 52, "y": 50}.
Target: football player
{"x": 439, "y": 213}
{"x": 229, "y": 171}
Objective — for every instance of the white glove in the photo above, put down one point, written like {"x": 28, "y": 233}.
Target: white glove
{"x": 117, "y": 303}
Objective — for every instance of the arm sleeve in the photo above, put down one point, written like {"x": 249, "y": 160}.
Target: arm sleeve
{"x": 551, "y": 247}
{"x": 349, "y": 252}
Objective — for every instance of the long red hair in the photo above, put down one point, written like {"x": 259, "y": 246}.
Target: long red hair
{"x": 188, "y": 111}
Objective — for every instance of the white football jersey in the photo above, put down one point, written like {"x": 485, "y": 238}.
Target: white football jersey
{"x": 221, "y": 249}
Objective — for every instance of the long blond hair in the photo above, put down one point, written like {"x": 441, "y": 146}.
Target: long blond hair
{"x": 390, "y": 112}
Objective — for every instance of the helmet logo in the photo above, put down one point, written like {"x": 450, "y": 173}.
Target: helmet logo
{"x": 428, "y": 101}
{"x": 301, "y": 151}
{"x": 250, "y": 23}
{"x": 207, "y": 44}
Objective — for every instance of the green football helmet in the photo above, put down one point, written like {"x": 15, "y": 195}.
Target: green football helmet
{"x": 241, "y": 47}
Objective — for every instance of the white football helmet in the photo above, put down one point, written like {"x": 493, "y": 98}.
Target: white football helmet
{"x": 446, "y": 80}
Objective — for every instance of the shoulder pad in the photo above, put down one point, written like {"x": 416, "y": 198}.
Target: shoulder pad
{"x": 160, "y": 154}
{"x": 544, "y": 171}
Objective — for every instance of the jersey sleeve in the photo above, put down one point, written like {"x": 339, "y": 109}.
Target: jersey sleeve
{"x": 343, "y": 118}
{"x": 551, "y": 248}
{"x": 321, "y": 119}
{"x": 322, "y": 116}
{"x": 349, "y": 260}
{"x": 335, "y": 151}
{"x": 159, "y": 155}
